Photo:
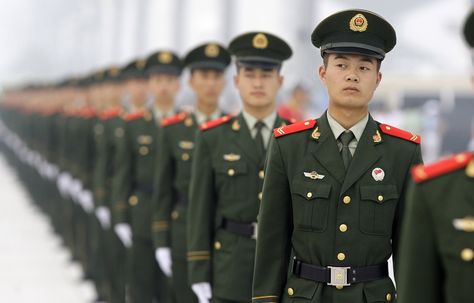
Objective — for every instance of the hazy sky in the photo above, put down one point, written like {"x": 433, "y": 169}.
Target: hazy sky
{"x": 52, "y": 38}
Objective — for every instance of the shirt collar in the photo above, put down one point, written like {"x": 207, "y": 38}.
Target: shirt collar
{"x": 269, "y": 120}
{"x": 338, "y": 129}
{"x": 201, "y": 117}
{"x": 159, "y": 114}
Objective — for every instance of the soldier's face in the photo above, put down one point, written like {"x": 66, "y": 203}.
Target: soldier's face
{"x": 350, "y": 80}
{"x": 136, "y": 89}
{"x": 258, "y": 87}
{"x": 163, "y": 86}
{"x": 207, "y": 84}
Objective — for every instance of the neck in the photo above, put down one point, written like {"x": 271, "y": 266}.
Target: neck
{"x": 259, "y": 113}
{"x": 347, "y": 117}
{"x": 205, "y": 108}
{"x": 164, "y": 106}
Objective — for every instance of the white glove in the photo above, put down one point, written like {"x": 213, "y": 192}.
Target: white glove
{"x": 203, "y": 291}
{"x": 63, "y": 182}
{"x": 163, "y": 257}
{"x": 124, "y": 232}
{"x": 86, "y": 201}
{"x": 75, "y": 189}
{"x": 103, "y": 215}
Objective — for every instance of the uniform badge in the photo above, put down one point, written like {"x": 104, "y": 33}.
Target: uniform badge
{"x": 119, "y": 132}
{"x": 140, "y": 64}
{"x": 358, "y": 23}
{"x": 186, "y": 144}
{"x": 211, "y": 50}
{"x": 378, "y": 174}
{"x": 377, "y": 137}
{"x": 147, "y": 116}
{"x": 231, "y": 157}
{"x": 236, "y": 125}
{"x": 313, "y": 175}
{"x": 465, "y": 224}
{"x": 188, "y": 122}
{"x": 470, "y": 169}
{"x": 316, "y": 134}
{"x": 260, "y": 41}
{"x": 144, "y": 139}
{"x": 165, "y": 57}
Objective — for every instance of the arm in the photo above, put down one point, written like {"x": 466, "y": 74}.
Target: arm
{"x": 275, "y": 228}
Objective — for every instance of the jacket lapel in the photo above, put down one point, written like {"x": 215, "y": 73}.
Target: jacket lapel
{"x": 365, "y": 155}
{"x": 325, "y": 150}
{"x": 241, "y": 136}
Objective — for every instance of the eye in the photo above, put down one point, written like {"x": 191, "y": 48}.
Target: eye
{"x": 341, "y": 65}
{"x": 364, "y": 68}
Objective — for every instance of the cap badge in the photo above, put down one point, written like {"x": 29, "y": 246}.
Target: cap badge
{"x": 114, "y": 71}
{"x": 260, "y": 41}
{"x": 140, "y": 63}
{"x": 211, "y": 50}
{"x": 358, "y": 23}
{"x": 165, "y": 57}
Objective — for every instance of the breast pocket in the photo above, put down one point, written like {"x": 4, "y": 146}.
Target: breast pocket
{"x": 310, "y": 205}
{"x": 231, "y": 179}
{"x": 377, "y": 209}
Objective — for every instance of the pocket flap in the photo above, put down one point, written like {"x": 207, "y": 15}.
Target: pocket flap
{"x": 378, "y": 193}
{"x": 380, "y": 291}
{"x": 301, "y": 288}
{"x": 311, "y": 191}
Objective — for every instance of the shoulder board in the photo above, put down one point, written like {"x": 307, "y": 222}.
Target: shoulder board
{"x": 294, "y": 128}
{"x": 87, "y": 113}
{"x": 174, "y": 119}
{"x": 134, "y": 115}
{"x": 216, "y": 122}
{"x": 400, "y": 133}
{"x": 111, "y": 113}
{"x": 421, "y": 173}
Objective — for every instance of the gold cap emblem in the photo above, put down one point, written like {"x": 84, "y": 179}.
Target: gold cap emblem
{"x": 260, "y": 41}
{"x": 165, "y": 57}
{"x": 114, "y": 71}
{"x": 358, "y": 23}
{"x": 211, "y": 50}
{"x": 140, "y": 63}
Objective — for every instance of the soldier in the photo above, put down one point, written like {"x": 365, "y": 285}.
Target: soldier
{"x": 437, "y": 252}
{"x": 175, "y": 152}
{"x": 338, "y": 218}
{"x": 227, "y": 175}
{"x": 134, "y": 181}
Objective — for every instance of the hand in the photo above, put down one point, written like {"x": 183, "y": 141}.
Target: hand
{"x": 124, "y": 232}
{"x": 86, "y": 201}
{"x": 103, "y": 215}
{"x": 163, "y": 257}
{"x": 203, "y": 291}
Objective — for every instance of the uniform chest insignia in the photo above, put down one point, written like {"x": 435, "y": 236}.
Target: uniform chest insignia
{"x": 118, "y": 132}
{"x": 188, "y": 122}
{"x": 377, "y": 137}
{"x": 186, "y": 144}
{"x": 236, "y": 125}
{"x": 464, "y": 224}
{"x": 399, "y": 133}
{"x": 143, "y": 139}
{"x": 313, "y": 175}
{"x": 293, "y": 128}
{"x": 378, "y": 174}
{"x": 231, "y": 157}
{"x": 316, "y": 134}
{"x": 422, "y": 173}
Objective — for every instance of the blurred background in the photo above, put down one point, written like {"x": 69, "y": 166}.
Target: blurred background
{"x": 426, "y": 85}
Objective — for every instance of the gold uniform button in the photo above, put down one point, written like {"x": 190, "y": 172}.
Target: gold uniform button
{"x": 343, "y": 228}
{"x": 341, "y": 256}
{"x": 388, "y": 297}
{"x": 185, "y": 157}
{"x": 291, "y": 291}
{"x": 380, "y": 198}
{"x": 309, "y": 195}
{"x": 467, "y": 254}
{"x": 346, "y": 200}
{"x": 143, "y": 150}
{"x": 339, "y": 287}
{"x": 261, "y": 174}
{"x": 217, "y": 245}
{"x": 260, "y": 196}
{"x": 231, "y": 172}
{"x": 174, "y": 215}
{"x": 133, "y": 200}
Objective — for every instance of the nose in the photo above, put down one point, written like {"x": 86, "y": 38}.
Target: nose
{"x": 352, "y": 77}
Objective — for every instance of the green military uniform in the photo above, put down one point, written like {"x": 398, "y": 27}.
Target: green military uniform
{"x": 226, "y": 183}
{"x": 327, "y": 226}
{"x": 173, "y": 174}
{"x": 437, "y": 251}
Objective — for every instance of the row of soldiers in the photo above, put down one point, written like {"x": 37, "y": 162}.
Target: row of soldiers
{"x": 203, "y": 206}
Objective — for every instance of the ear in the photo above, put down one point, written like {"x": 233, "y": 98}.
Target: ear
{"x": 379, "y": 78}
{"x": 281, "y": 79}
{"x": 322, "y": 74}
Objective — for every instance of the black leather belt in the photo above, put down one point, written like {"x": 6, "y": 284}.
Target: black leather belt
{"x": 248, "y": 230}
{"x": 339, "y": 276}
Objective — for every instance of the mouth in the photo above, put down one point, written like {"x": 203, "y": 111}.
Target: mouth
{"x": 258, "y": 94}
{"x": 351, "y": 89}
